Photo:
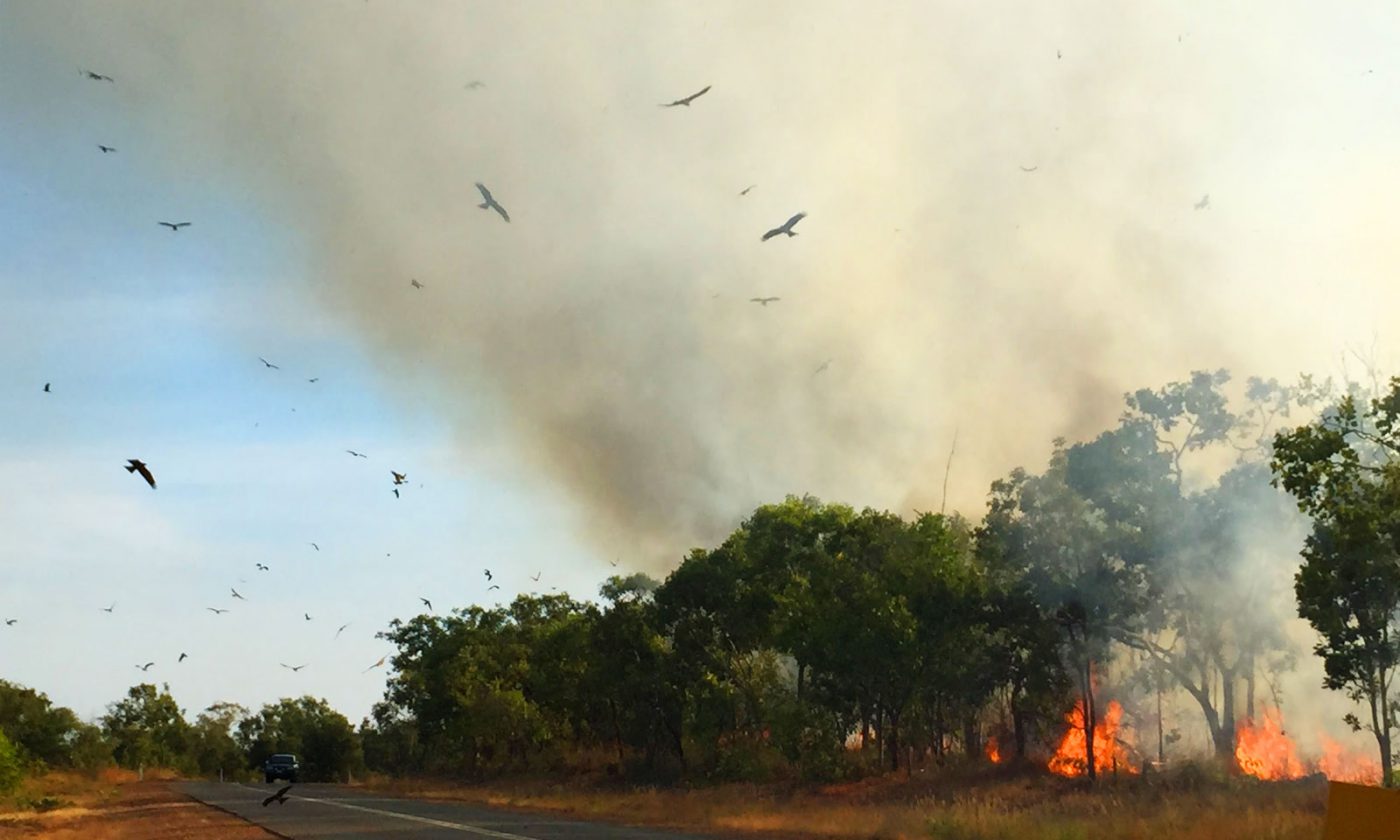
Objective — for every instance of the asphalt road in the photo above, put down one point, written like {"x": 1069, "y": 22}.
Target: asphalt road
{"x": 336, "y": 812}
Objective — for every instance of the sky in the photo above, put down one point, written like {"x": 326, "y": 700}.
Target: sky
{"x": 590, "y": 382}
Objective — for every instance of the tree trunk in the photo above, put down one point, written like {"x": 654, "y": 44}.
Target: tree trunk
{"x": 1225, "y": 744}
{"x": 1161, "y": 741}
{"x": 972, "y": 746}
{"x": 893, "y": 739}
{"x": 1090, "y": 720}
{"x": 1249, "y": 688}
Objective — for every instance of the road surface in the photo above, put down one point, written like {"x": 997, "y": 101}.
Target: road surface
{"x": 336, "y": 812}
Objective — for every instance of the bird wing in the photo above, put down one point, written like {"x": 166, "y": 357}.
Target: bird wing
{"x": 772, "y": 233}
{"x": 501, "y": 210}
{"x": 794, "y": 220}
{"x": 485, "y": 193}
{"x": 698, "y": 94}
{"x": 146, "y": 474}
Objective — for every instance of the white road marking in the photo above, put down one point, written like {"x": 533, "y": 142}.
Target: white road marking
{"x": 470, "y": 829}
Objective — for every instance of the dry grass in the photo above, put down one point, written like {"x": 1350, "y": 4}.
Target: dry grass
{"x": 950, "y": 806}
{"x": 115, "y": 806}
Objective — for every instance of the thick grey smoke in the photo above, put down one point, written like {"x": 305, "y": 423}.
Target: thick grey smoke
{"x": 605, "y": 334}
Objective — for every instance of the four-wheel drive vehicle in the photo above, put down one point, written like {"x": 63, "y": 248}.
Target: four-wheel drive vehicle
{"x": 281, "y": 766}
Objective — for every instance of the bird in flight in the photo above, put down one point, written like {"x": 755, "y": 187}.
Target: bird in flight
{"x": 261, "y": 567}
{"x": 307, "y": 615}
{"x": 292, "y": 668}
{"x": 46, "y": 388}
{"x": 268, "y": 364}
{"x": 146, "y": 667}
{"x": 612, "y": 563}
{"x": 493, "y": 586}
{"x": 340, "y": 629}
{"x": 785, "y": 227}
{"x": 279, "y": 797}
{"x": 535, "y": 577}
{"x": 183, "y": 657}
{"x": 106, "y": 149}
{"x": 96, "y": 77}
{"x": 745, "y": 190}
{"x": 378, "y": 664}
{"x": 175, "y": 226}
{"x": 313, "y": 380}
{"x": 475, "y": 85}
{"x": 687, "y": 100}
{"x": 133, "y": 465}
{"x": 427, "y": 603}
{"x": 357, "y": 454}
{"x": 1204, "y": 202}
{"x": 216, "y": 610}
{"x": 491, "y": 203}
{"x": 315, "y": 546}
{"x": 1029, "y": 168}
{"x": 236, "y": 595}
{"x": 396, "y": 493}
{"x": 399, "y": 478}
{"x": 488, "y": 574}
{"x": 11, "y": 622}
{"x": 415, "y": 284}
{"x": 824, "y": 365}
{"x": 109, "y": 609}
{"x": 763, "y": 301}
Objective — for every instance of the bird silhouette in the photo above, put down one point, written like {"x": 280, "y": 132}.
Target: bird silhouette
{"x": 280, "y": 797}
{"x": 745, "y": 190}
{"x": 261, "y": 567}
{"x": 687, "y": 100}
{"x": 216, "y": 610}
{"x": 133, "y": 465}
{"x": 307, "y": 615}
{"x": 612, "y": 563}
{"x": 415, "y": 284}
{"x": 396, "y": 493}
{"x": 493, "y": 586}
{"x": 1204, "y": 202}
{"x": 1029, "y": 168}
{"x": 46, "y": 388}
{"x": 357, "y": 454}
{"x": 399, "y": 478}
{"x": 427, "y": 603}
{"x": 475, "y": 85}
{"x": 491, "y": 203}
{"x": 823, "y": 366}
{"x": 489, "y": 576}
{"x": 313, "y": 380}
{"x": 375, "y": 665}
{"x": 96, "y": 77}
{"x": 266, "y": 363}
{"x": 109, "y": 609}
{"x": 535, "y": 577}
{"x": 235, "y": 594}
{"x": 764, "y": 301}
{"x": 292, "y": 668}
{"x": 315, "y": 546}
{"x": 175, "y": 226}
{"x": 340, "y": 629}
{"x": 785, "y": 227}
{"x": 11, "y": 622}
{"x": 106, "y": 149}
{"x": 146, "y": 667}
{"x": 182, "y": 658}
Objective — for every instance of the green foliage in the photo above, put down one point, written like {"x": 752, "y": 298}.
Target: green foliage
{"x": 148, "y": 729}
{"x": 11, "y": 765}
{"x": 41, "y": 731}
{"x": 320, "y": 737}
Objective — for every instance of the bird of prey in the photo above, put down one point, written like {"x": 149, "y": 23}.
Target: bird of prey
{"x": 493, "y": 586}
{"x": 1058, "y": 54}
{"x": 216, "y": 610}
{"x": 745, "y": 190}
{"x": 175, "y": 226}
{"x": 315, "y": 546}
{"x": 268, "y": 364}
{"x": 307, "y": 615}
{"x": 182, "y": 658}
{"x": 109, "y": 609}
{"x": 11, "y": 622}
{"x": 313, "y": 380}
{"x": 399, "y": 478}
{"x": 396, "y": 493}
{"x": 279, "y": 797}
{"x": 535, "y": 577}
{"x": 236, "y": 595}
{"x": 340, "y": 629}
{"x": 475, "y": 85}
{"x": 785, "y": 227}
{"x": 46, "y": 388}
{"x": 1204, "y": 202}
{"x": 1029, "y": 168}
{"x": 491, "y": 203}
{"x": 375, "y": 665}
{"x": 415, "y": 284}
{"x": 96, "y": 77}
{"x": 357, "y": 454}
{"x": 261, "y": 567}
{"x": 764, "y": 301}
{"x": 427, "y": 603}
{"x": 488, "y": 574}
{"x": 106, "y": 149}
{"x": 146, "y": 667}
{"x": 292, "y": 668}
{"x": 612, "y": 563}
{"x": 133, "y": 465}
{"x": 687, "y": 100}
{"x": 824, "y": 365}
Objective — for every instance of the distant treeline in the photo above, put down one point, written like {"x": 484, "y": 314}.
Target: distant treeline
{"x": 819, "y": 642}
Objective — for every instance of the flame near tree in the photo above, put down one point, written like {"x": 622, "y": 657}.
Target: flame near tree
{"x": 1110, "y": 755}
{"x": 1264, "y": 750}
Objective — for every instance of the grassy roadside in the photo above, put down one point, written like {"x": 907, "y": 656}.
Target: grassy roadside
{"x": 950, "y": 806}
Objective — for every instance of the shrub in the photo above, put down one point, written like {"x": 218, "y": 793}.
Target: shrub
{"x": 11, "y": 768}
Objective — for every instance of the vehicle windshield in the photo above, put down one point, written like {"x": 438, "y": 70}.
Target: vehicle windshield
{"x": 283, "y": 758}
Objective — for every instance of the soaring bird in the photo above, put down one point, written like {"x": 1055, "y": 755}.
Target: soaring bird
{"x": 133, "y": 465}
{"x": 491, "y": 203}
{"x": 235, "y": 594}
{"x": 315, "y": 546}
{"x": 313, "y": 380}
{"x": 415, "y": 284}
{"x": 488, "y": 574}
{"x": 175, "y": 226}
{"x": 46, "y": 388}
{"x": 146, "y": 667}
{"x": 307, "y": 616}
{"x": 216, "y": 610}
{"x": 493, "y": 586}
{"x": 357, "y": 454}
{"x": 427, "y": 603}
{"x": 823, "y": 366}
{"x": 764, "y": 301}
{"x": 268, "y": 364}
{"x": 11, "y": 622}
{"x": 613, "y": 563}
{"x": 1204, "y": 202}
{"x": 96, "y": 77}
{"x": 535, "y": 577}
{"x": 1029, "y": 168}
{"x": 292, "y": 668}
{"x": 475, "y": 85}
{"x": 279, "y": 797}
{"x": 785, "y": 227}
{"x": 378, "y": 664}
{"x": 340, "y": 629}
{"x": 687, "y": 100}
{"x": 745, "y": 190}
{"x": 182, "y": 658}
{"x": 106, "y": 149}
{"x": 261, "y": 567}
{"x": 109, "y": 609}
{"x": 396, "y": 492}
{"x": 399, "y": 478}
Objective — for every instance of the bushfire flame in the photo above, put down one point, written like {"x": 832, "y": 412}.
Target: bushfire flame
{"x": 1110, "y": 755}
{"x": 1265, "y": 751}
{"x": 993, "y": 751}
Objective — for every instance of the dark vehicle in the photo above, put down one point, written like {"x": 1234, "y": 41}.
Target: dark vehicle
{"x": 281, "y": 766}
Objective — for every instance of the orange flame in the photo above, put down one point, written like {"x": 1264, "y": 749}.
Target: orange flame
{"x": 1264, "y": 751}
{"x": 1109, "y": 754}
{"x": 993, "y": 751}
{"x": 1341, "y": 765}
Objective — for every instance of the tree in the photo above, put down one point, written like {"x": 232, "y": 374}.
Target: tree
{"x": 320, "y": 737}
{"x": 147, "y": 728}
{"x": 11, "y": 766}
{"x": 1344, "y": 471}
{"x": 40, "y": 730}
{"x": 212, "y": 745}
